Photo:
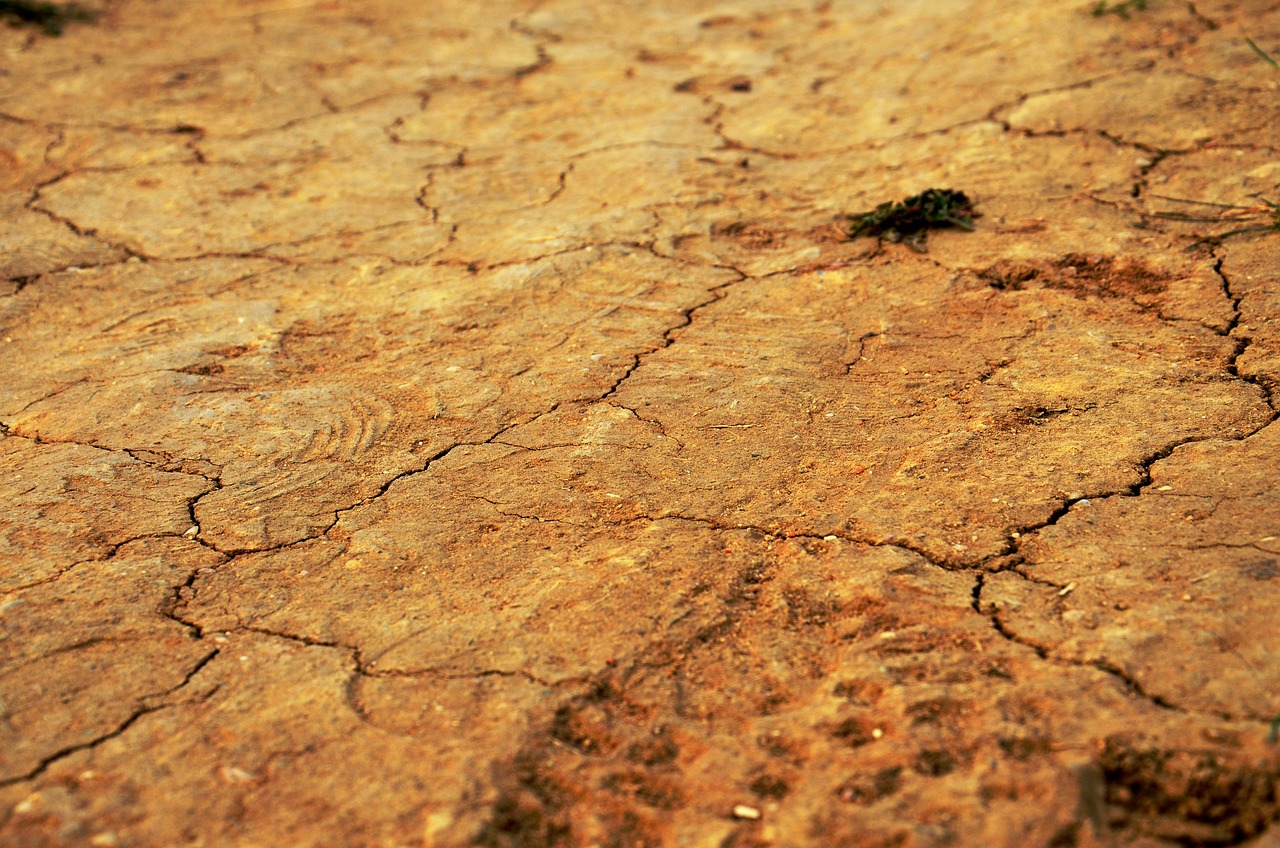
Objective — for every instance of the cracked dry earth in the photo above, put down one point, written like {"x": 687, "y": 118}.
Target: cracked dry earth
{"x": 471, "y": 426}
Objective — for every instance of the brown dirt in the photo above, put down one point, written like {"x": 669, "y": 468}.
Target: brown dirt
{"x": 471, "y": 427}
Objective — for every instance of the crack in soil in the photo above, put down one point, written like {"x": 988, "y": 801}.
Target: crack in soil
{"x": 47, "y": 762}
{"x": 1241, "y": 342}
{"x": 1131, "y": 682}
{"x": 365, "y": 668}
{"x": 1006, "y": 556}
{"x": 668, "y": 338}
{"x": 1012, "y": 558}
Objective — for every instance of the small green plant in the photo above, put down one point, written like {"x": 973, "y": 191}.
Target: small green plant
{"x": 51, "y": 17}
{"x": 1256, "y": 49}
{"x": 1122, "y": 9}
{"x": 911, "y": 219}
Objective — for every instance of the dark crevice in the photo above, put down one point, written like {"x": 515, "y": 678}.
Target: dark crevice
{"x": 999, "y": 627}
{"x": 978, "y": 583}
{"x": 308, "y": 641}
{"x": 500, "y": 508}
{"x": 107, "y": 554}
{"x": 365, "y": 668}
{"x": 856, "y": 356}
{"x": 994, "y": 114}
{"x": 1154, "y": 152}
{"x": 543, "y": 61}
{"x": 652, "y": 422}
{"x": 1135, "y": 688}
{"x": 668, "y": 337}
{"x": 1144, "y": 172}
{"x": 162, "y": 463}
{"x": 422, "y": 468}
{"x": 183, "y": 594}
{"x": 46, "y": 763}
{"x": 1241, "y": 342}
{"x": 63, "y": 753}
{"x": 562, "y": 182}
{"x": 1131, "y": 683}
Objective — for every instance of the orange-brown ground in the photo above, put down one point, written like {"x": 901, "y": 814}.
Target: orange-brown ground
{"x": 467, "y": 424}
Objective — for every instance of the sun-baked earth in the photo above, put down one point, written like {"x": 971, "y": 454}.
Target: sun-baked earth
{"x": 470, "y": 424}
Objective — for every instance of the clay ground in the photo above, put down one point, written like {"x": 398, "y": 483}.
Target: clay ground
{"x": 469, "y": 424}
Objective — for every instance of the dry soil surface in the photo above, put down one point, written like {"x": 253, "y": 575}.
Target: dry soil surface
{"x": 468, "y": 423}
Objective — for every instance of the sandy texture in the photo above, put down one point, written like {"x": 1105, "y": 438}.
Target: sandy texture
{"x": 471, "y": 425}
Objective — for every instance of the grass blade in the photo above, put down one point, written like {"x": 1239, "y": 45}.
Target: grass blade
{"x": 1256, "y": 49}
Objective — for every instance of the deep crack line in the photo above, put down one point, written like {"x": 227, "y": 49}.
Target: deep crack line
{"x": 108, "y": 554}
{"x": 48, "y": 762}
{"x": 668, "y": 338}
{"x": 1131, "y": 683}
{"x": 1242, "y": 343}
{"x": 1145, "y": 465}
{"x": 422, "y": 468}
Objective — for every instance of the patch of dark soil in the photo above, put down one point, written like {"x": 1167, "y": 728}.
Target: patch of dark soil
{"x": 868, "y": 790}
{"x": 770, "y": 785}
{"x": 935, "y": 762}
{"x": 1081, "y": 275}
{"x": 599, "y": 767}
{"x": 1185, "y": 797}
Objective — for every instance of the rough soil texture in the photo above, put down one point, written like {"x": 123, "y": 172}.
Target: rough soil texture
{"x": 467, "y": 424}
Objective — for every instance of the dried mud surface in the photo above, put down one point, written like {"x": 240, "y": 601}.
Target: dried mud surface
{"x": 471, "y": 426}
